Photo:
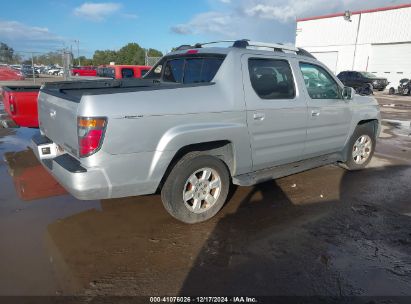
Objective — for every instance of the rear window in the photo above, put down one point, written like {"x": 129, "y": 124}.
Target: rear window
{"x": 144, "y": 72}
{"x": 187, "y": 69}
{"x": 127, "y": 73}
{"x": 173, "y": 70}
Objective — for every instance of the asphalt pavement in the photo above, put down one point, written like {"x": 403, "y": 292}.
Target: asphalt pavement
{"x": 325, "y": 231}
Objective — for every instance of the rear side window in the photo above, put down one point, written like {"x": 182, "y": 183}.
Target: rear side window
{"x": 271, "y": 78}
{"x": 127, "y": 73}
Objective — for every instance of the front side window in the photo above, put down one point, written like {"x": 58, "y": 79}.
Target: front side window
{"x": 271, "y": 78}
{"x": 319, "y": 83}
{"x": 368, "y": 75}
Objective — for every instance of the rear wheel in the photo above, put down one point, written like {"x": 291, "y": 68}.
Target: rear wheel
{"x": 196, "y": 188}
{"x": 360, "y": 147}
{"x": 391, "y": 91}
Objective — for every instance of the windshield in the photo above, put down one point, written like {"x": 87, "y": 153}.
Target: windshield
{"x": 368, "y": 75}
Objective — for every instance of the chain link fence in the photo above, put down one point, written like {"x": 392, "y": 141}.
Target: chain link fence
{"x": 42, "y": 66}
{"x": 32, "y": 65}
{"x": 151, "y": 61}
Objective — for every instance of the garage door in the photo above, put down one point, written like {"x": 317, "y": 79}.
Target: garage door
{"x": 392, "y": 61}
{"x": 328, "y": 58}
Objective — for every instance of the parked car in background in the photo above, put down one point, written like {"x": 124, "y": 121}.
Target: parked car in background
{"x": 84, "y": 71}
{"x": 201, "y": 118}
{"x": 7, "y": 73}
{"x": 404, "y": 87}
{"x": 362, "y": 81}
{"x": 20, "y": 104}
{"x": 29, "y": 72}
{"x": 122, "y": 71}
{"x": 53, "y": 71}
{"x": 16, "y": 66}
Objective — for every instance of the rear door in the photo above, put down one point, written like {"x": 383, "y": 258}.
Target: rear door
{"x": 276, "y": 113}
{"x": 329, "y": 116}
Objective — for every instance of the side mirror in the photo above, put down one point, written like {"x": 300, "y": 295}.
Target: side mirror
{"x": 348, "y": 93}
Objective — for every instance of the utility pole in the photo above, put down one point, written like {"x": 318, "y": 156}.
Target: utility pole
{"x": 78, "y": 51}
{"x": 356, "y": 41}
{"x": 32, "y": 67}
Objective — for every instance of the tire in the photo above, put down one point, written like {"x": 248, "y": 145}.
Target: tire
{"x": 391, "y": 91}
{"x": 363, "y": 140}
{"x": 203, "y": 198}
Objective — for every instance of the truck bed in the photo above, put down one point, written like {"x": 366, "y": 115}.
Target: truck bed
{"x": 74, "y": 90}
{"x": 24, "y": 99}
{"x": 18, "y": 89}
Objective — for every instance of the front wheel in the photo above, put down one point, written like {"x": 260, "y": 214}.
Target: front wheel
{"x": 360, "y": 147}
{"x": 196, "y": 188}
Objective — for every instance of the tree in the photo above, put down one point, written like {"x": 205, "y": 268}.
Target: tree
{"x": 154, "y": 53}
{"x": 104, "y": 57}
{"x": 83, "y": 61}
{"x": 6, "y": 53}
{"x": 131, "y": 53}
{"x": 50, "y": 58}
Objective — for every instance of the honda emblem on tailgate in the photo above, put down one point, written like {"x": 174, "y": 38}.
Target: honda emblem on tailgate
{"x": 53, "y": 114}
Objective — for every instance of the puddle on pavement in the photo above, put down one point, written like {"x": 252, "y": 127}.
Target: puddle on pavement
{"x": 30, "y": 200}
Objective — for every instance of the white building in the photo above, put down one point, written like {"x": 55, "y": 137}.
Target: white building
{"x": 376, "y": 40}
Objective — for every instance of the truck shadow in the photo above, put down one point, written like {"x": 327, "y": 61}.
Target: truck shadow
{"x": 282, "y": 242}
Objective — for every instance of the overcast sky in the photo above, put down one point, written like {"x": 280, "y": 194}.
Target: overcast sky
{"x": 46, "y": 25}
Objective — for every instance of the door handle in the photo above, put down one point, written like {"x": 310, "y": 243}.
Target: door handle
{"x": 315, "y": 113}
{"x": 259, "y": 116}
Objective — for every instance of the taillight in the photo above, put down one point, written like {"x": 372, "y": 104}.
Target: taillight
{"x": 90, "y": 134}
{"x": 12, "y": 104}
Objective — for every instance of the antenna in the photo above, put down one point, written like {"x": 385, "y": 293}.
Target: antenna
{"x": 347, "y": 16}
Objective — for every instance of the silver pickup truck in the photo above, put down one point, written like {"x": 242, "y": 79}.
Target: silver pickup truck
{"x": 203, "y": 118}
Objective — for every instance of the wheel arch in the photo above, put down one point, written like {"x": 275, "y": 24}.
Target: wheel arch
{"x": 374, "y": 123}
{"x": 222, "y": 149}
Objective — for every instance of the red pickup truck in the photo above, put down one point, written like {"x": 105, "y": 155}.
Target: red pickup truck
{"x": 122, "y": 71}
{"x": 84, "y": 71}
{"x": 20, "y": 103}
{"x": 7, "y": 73}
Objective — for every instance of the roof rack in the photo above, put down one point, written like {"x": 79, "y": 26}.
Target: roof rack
{"x": 245, "y": 43}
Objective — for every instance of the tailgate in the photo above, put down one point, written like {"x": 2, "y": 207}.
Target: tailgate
{"x": 58, "y": 121}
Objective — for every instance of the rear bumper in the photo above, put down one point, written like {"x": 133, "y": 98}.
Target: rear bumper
{"x": 81, "y": 183}
{"x": 121, "y": 176}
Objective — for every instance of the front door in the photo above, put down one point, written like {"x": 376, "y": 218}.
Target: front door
{"x": 329, "y": 116}
{"x": 276, "y": 113}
